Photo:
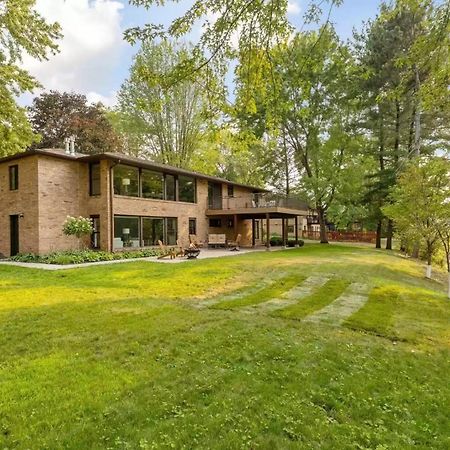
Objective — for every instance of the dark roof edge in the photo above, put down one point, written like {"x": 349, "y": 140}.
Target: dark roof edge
{"x": 128, "y": 160}
{"x": 35, "y": 152}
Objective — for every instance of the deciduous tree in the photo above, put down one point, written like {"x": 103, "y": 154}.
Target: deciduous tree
{"x": 22, "y": 31}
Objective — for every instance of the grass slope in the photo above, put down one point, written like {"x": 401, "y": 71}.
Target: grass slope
{"x": 322, "y": 297}
{"x": 117, "y": 358}
{"x": 275, "y": 290}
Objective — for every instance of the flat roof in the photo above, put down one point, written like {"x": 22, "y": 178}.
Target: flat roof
{"x": 121, "y": 158}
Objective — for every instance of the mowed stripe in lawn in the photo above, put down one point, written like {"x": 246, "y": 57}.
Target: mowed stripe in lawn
{"x": 314, "y": 302}
{"x": 274, "y": 290}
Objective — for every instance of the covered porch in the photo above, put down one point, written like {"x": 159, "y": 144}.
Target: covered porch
{"x": 255, "y": 224}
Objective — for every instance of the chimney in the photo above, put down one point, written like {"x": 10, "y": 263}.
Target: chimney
{"x": 72, "y": 145}
{"x": 67, "y": 144}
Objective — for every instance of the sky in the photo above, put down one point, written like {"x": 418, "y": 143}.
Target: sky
{"x": 94, "y": 59}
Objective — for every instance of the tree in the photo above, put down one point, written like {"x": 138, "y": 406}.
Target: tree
{"x": 317, "y": 108}
{"x": 57, "y": 116}
{"x": 164, "y": 123}
{"x": 22, "y": 30}
{"x": 420, "y": 206}
{"x": 227, "y": 27}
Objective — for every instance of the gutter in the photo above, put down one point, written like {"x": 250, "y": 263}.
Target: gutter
{"x": 111, "y": 204}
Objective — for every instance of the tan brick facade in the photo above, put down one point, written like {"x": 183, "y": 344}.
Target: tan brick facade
{"x": 54, "y": 187}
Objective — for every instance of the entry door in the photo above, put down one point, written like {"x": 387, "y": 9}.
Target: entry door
{"x": 214, "y": 196}
{"x": 14, "y": 234}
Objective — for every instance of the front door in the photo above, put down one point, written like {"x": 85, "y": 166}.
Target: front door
{"x": 214, "y": 196}
{"x": 14, "y": 234}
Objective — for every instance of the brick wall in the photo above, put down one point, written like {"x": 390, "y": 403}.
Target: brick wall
{"x": 22, "y": 201}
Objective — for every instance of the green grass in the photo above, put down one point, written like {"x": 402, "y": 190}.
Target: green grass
{"x": 275, "y": 290}
{"x": 122, "y": 357}
{"x": 322, "y": 297}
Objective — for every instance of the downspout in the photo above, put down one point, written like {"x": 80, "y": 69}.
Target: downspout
{"x": 111, "y": 204}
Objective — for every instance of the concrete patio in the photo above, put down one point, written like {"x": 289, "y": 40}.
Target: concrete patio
{"x": 205, "y": 253}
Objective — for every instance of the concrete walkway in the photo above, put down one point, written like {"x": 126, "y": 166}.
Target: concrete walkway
{"x": 204, "y": 254}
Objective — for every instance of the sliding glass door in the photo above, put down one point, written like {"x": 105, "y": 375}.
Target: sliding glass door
{"x": 152, "y": 231}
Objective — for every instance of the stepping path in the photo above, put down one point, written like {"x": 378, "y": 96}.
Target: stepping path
{"x": 354, "y": 297}
{"x": 235, "y": 294}
{"x": 288, "y": 298}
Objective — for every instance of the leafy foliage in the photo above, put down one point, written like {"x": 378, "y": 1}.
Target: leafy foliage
{"x": 22, "y": 30}
{"x": 59, "y": 115}
{"x": 82, "y": 256}
{"x": 166, "y": 123}
{"x": 77, "y": 226}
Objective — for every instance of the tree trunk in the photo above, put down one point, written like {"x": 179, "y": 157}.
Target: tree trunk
{"x": 417, "y": 123}
{"x": 323, "y": 227}
{"x": 389, "y": 232}
{"x": 378, "y": 238}
{"x": 429, "y": 256}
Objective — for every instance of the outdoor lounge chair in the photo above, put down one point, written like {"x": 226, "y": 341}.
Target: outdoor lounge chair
{"x": 180, "y": 249}
{"x": 235, "y": 244}
{"x": 193, "y": 240}
{"x": 166, "y": 251}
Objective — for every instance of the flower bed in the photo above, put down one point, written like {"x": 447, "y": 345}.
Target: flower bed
{"x": 82, "y": 256}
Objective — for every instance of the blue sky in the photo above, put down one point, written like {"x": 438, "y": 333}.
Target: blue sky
{"x": 94, "y": 59}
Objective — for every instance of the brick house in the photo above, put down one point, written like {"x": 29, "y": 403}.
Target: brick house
{"x": 133, "y": 203}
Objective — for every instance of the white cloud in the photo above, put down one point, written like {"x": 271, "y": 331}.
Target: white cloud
{"x": 107, "y": 100}
{"x": 293, "y": 8}
{"x": 90, "y": 49}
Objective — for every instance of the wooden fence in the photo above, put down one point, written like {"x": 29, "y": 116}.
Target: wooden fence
{"x": 351, "y": 236}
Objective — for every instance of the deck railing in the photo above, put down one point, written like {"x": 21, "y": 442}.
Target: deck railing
{"x": 260, "y": 200}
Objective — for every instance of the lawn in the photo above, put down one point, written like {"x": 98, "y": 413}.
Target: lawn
{"x": 144, "y": 355}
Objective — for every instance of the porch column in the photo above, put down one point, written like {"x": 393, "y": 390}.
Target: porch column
{"x": 235, "y": 225}
{"x": 253, "y": 233}
{"x": 296, "y": 231}
{"x": 283, "y": 231}
{"x": 267, "y": 231}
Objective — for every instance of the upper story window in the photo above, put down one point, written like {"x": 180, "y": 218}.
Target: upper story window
{"x": 126, "y": 180}
{"x": 13, "y": 178}
{"x": 152, "y": 184}
{"x": 171, "y": 187}
{"x": 94, "y": 179}
{"x": 230, "y": 190}
{"x": 186, "y": 189}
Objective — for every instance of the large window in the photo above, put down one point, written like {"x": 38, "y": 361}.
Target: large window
{"x": 13, "y": 178}
{"x": 126, "y": 232}
{"x": 94, "y": 179}
{"x": 171, "y": 231}
{"x": 135, "y": 182}
{"x": 186, "y": 189}
{"x": 126, "y": 180}
{"x": 152, "y": 231}
{"x": 152, "y": 184}
{"x": 171, "y": 187}
{"x": 133, "y": 231}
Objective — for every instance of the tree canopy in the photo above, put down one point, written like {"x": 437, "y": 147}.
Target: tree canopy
{"x": 22, "y": 30}
{"x": 55, "y": 116}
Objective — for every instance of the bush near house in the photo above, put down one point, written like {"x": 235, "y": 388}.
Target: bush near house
{"x": 82, "y": 256}
{"x": 277, "y": 241}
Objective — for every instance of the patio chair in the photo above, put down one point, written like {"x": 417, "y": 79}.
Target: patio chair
{"x": 180, "y": 249}
{"x": 193, "y": 240}
{"x": 235, "y": 244}
{"x": 166, "y": 251}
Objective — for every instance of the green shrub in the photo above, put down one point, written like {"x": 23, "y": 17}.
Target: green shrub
{"x": 82, "y": 256}
{"x": 277, "y": 241}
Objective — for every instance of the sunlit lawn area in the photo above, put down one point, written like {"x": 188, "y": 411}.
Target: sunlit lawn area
{"x": 148, "y": 355}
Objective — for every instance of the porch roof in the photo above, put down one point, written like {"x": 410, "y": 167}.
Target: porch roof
{"x": 274, "y": 212}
